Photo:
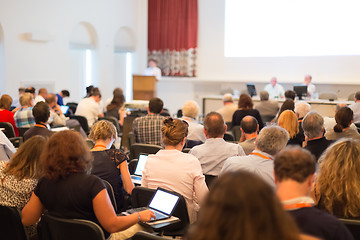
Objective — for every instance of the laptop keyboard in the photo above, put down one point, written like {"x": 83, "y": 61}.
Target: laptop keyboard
{"x": 158, "y": 215}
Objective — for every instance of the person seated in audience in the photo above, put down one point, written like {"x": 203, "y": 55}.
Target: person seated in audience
{"x": 290, "y": 94}
{"x": 147, "y": 129}
{"x": 343, "y": 118}
{"x": 267, "y": 109}
{"x": 89, "y": 90}
{"x": 275, "y": 90}
{"x": 215, "y": 150}
{"x": 57, "y": 117}
{"x": 110, "y": 164}
{"x": 90, "y": 107}
{"x": 174, "y": 170}
{"x": 61, "y": 95}
{"x": 228, "y": 109}
{"x": 43, "y": 92}
{"x": 315, "y": 142}
{"x": 270, "y": 141}
{"x": 5, "y": 114}
{"x": 7, "y": 149}
{"x": 336, "y": 188}
{"x": 301, "y": 109}
{"x": 249, "y": 131}
{"x": 20, "y": 175}
{"x": 311, "y": 89}
{"x": 240, "y": 205}
{"x": 190, "y": 111}
{"x": 116, "y": 108}
{"x": 329, "y": 122}
{"x": 41, "y": 113}
{"x": 356, "y": 107}
{"x": 289, "y": 121}
{"x": 245, "y": 105}
{"x": 23, "y": 117}
{"x": 288, "y": 104}
{"x": 16, "y": 101}
{"x": 294, "y": 170}
{"x": 31, "y": 90}
{"x": 68, "y": 190}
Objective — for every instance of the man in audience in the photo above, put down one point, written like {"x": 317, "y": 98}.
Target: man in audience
{"x": 190, "y": 111}
{"x": 294, "y": 170}
{"x": 267, "y": 109}
{"x": 311, "y": 89}
{"x": 60, "y": 96}
{"x": 270, "y": 141}
{"x": 43, "y": 92}
{"x": 31, "y": 90}
{"x": 41, "y": 112}
{"x": 329, "y": 122}
{"x": 215, "y": 150}
{"x": 147, "y": 129}
{"x": 229, "y": 107}
{"x": 356, "y": 107}
{"x": 290, "y": 94}
{"x": 301, "y": 109}
{"x": 275, "y": 90}
{"x": 57, "y": 118}
{"x": 313, "y": 126}
{"x": 24, "y": 117}
{"x": 249, "y": 131}
{"x": 90, "y": 107}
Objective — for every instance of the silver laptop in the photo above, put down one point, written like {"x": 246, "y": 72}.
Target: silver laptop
{"x": 136, "y": 177}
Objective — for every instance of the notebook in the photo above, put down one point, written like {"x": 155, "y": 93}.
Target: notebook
{"x": 136, "y": 177}
{"x": 162, "y": 204}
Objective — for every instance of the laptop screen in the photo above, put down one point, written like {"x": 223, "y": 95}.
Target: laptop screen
{"x": 140, "y": 165}
{"x": 64, "y": 109}
{"x": 164, "y": 201}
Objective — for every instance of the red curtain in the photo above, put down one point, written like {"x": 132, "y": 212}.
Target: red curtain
{"x": 172, "y": 36}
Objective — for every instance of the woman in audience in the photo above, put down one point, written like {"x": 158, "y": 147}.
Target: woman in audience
{"x": 289, "y": 121}
{"x": 174, "y": 170}
{"x": 20, "y": 175}
{"x": 288, "y": 104}
{"x": 116, "y": 108}
{"x": 240, "y": 205}
{"x": 5, "y": 114}
{"x": 245, "y": 105}
{"x": 344, "y": 118}
{"x": 110, "y": 164}
{"x": 337, "y": 185}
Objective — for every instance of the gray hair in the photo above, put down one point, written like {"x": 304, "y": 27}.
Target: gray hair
{"x": 272, "y": 139}
{"x": 264, "y": 96}
{"x": 313, "y": 125}
{"x": 190, "y": 109}
{"x": 302, "y": 108}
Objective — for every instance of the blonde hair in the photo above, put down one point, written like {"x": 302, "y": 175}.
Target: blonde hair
{"x": 289, "y": 121}
{"x": 25, "y": 99}
{"x": 173, "y": 131}
{"x": 338, "y": 180}
{"x": 102, "y": 130}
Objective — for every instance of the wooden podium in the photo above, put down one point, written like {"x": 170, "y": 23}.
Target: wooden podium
{"x": 144, "y": 87}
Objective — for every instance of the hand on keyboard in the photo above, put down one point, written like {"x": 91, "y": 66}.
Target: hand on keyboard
{"x": 146, "y": 216}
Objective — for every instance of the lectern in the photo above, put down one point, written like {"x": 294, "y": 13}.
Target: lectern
{"x": 144, "y": 87}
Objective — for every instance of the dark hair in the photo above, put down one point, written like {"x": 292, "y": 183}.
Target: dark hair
{"x": 95, "y": 92}
{"x": 5, "y": 102}
{"x": 343, "y": 118}
{"x": 65, "y": 93}
{"x": 249, "y": 124}
{"x": 294, "y": 163}
{"x": 156, "y": 105}
{"x": 290, "y": 94}
{"x": 89, "y": 90}
{"x": 117, "y": 101}
{"x": 240, "y": 205}
{"x": 245, "y": 101}
{"x": 30, "y": 90}
{"x": 41, "y": 112}
{"x": 214, "y": 124}
{"x": 173, "y": 131}
{"x": 288, "y": 104}
{"x": 65, "y": 152}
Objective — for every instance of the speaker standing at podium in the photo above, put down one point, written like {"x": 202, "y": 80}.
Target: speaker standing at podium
{"x": 153, "y": 70}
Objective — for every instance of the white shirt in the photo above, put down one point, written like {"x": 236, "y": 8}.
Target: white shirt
{"x": 311, "y": 90}
{"x": 356, "y": 109}
{"x": 88, "y": 108}
{"x": 195, "y": 130}
{"x": 38, "y": 98}
{"x": 6, "y": 147}
{"x": 275, "y": 92}
{"x": 153, "y": 71}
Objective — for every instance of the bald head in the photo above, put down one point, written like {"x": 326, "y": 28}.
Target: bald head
{"x": 249, "y": 124}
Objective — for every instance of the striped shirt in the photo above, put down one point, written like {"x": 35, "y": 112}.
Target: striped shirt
{"x": 147, "y": 129}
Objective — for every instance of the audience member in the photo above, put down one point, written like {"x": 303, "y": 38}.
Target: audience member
{"x": 61, "y": 95}
{"x": 246, "y": 108}
{"x": 213, "y": 153}
{"x": 174, "y": 170}
{"x": 270, "y": 141}
{"x": 23, "y": 117}
{"x": 329, "y": 122}
{"x": 153, "y": 70}
{"x": 116, "y": 108}
{"x": 275, "y": 90}
{"x": 267, "y": 109}
{"x": 289, "y": 121}
{"x": 110, "y": 164}
{"x": 147, "y": 129}
{"x": 5, "y": 114}
{"x": 20, "y": 175}
{"x": 89, "y": 90}
{"x": 16, "y": 102}
{"x": 228, "y": 109}
{"x": 313, "y": 126}
{"x": 67, "y": 190}
{"x": 343, "y": 118}
{"x": 311, "y": 89}
{"x": 90, "y": 107}
{"x": 356, "y": 107}
{"x": 190, "y": 111}
{"x": 336, "y": 188}
{"x": 57, "y": 117}
{"x": 301, "y": 109}
{"x": 294, "y": 170}
{"x": 31, "y": 90}
{"x": 43, "y": 92}
{"x": 290, "y": 94}
{"x": 6, "y": 148}
{"x": 41, "y": 113}
{"x": 241, "y": 205}
{"x": 288, "y": 104}
{"x": 249, "y": 131}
